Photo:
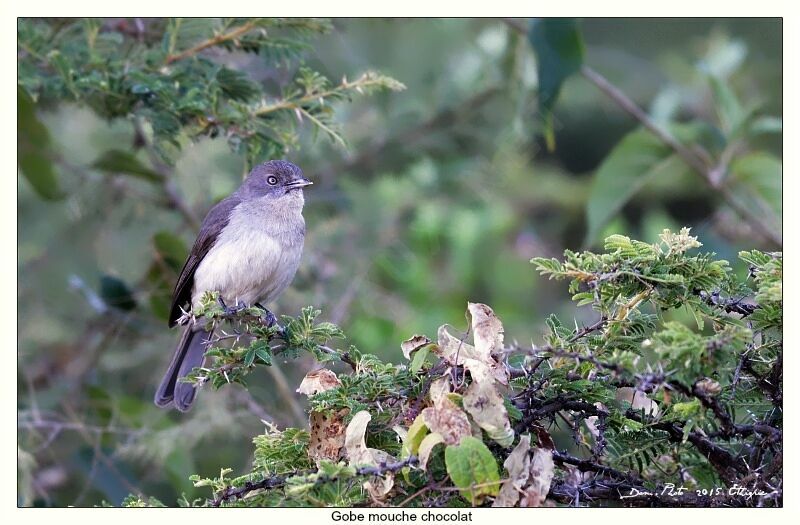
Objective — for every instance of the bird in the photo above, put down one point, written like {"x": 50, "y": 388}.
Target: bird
{"x": 248, "y": 249}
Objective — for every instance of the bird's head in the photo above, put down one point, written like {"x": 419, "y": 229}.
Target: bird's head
{"x": 275, "y": 178}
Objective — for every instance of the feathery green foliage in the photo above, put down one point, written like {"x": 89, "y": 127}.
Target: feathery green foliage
{"x": 167, "y": 72}
{"x": 647, "y": 399}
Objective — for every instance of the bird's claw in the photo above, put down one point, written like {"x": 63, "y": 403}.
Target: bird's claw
{"x": 231, "y": 310}
{"x": 271, "y": 320}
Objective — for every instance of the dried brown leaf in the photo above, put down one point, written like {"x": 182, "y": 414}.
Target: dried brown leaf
{"x": 485, "y": 404}
{"x": 327, "y": 435}
{"x": 447, "y": 420}
{"x": 541, "y": 475}
{"x": 517, "y": 465}
{"x": 414, "y": 343}
{"x": 318, "y": 381}
{"x": 638, "y": 400}
{"x": 357, "y": 452}
{"x": 456, "y": 352}
{"x": 487, "y": 330}
{"x": 439, "y": 389}
{"x": 453, "y": 349}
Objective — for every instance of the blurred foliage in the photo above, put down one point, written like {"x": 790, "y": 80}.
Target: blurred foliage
{"x": 444, "y": 193}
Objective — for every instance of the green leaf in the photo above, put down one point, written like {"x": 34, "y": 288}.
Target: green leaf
{"x": 249, "y": 357}
{"x": 416, "y": 433}
{"x": 33, "y": 149}
{"x": 263, "y": 354}
{"x": 419, "y": 358}
{"x": 559, "y": 52}
{"x": 236, "y": 84}
{"x": 514, "y": 413}
{"x": 116, "y": 293}
{"x": 638, "y": 158}
{"x": 116, "y": 161}
{"x": 730, "y": 111}
{"x": 762, "y": 174}
{"x": 473, "y": 469}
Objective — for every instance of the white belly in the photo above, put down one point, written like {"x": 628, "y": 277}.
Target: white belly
{"x": 247, "y": 266}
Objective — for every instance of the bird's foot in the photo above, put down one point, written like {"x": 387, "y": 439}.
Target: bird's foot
{"x": 271, "y": 320}
{"x": 231, "y": 310}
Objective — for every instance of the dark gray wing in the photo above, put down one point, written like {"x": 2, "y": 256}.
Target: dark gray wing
{"x": 212, "y": 225}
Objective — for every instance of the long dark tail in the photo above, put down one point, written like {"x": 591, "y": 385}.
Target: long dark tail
{"x": 188, "y": 354}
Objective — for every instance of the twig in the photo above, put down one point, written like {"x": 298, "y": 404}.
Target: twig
{"x": 591, "y": 466}
{"x": 547, "y": 352}
{"x": 224, "y": 37}
{"x": 586, "y": 330}
{"x": 707, "y": 172}
{"x": 623, "y": 101}
{"x": 363, "y": 81}
{"x": 726, "y": 465}
{"x": 344, "y": 357}
{"x": 233, "y": 493}
{"x": 729, "y": 305}
{"x": 549, "y": 407}
{"x": 246, "y": 398}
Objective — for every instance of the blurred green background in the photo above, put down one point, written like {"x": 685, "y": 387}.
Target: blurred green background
{"x": 445, "y": 192}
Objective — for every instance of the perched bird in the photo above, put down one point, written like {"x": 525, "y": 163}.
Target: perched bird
{"x": 248, "y": 250}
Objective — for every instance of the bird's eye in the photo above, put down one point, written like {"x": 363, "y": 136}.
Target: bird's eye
{"x": 272, "y": 180}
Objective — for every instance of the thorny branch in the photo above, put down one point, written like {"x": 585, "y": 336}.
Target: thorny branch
{"x": 234, "y": 493}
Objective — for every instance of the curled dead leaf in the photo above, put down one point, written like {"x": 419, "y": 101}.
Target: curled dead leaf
{"x": 541, "y": 475}
{"x": 355, "y": 447}
{"x": 327, "y": 435}
{"x": 426, "y": 447}
{"x": 453, "y": 349}
{"x": 517, "y": 464}
{"x": 485, "y": 404}
{"x": 487, "y": 330}
{"x": 638, "y": 400}
{"x": 456, "y": 351}
{"x": 447, "y": 420}
{"x": 318, "y": 381}
{"x": 439, "y": 388}
{"x": 708, "y": 387}
{"x": 354, "y": 442}
{"x": 414, "y": 343}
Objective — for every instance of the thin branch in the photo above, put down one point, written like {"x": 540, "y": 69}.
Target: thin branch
{"x": 726, "y": 465}
{"x": 364, "y": 81}
{"x": 216, "y": 40}
{"x": 625, "y": 102}
{"x": 590, "y": 466}
{"x": 234, "y": 493}
{"x": 729, "y": 305}
{"x": 706, "y": 171}
{"x": 693, "y": 159}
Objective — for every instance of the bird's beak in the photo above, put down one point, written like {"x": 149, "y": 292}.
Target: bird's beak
{"x": 299, "y": 183}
